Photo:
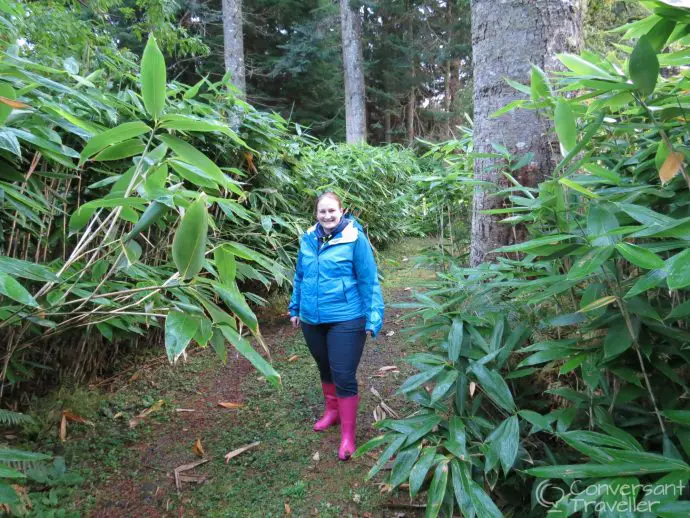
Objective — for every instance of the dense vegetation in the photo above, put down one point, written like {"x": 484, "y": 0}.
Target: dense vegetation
{"x": 590, "y": 311}
{"x": 137, "y": 209}
{"x": 145, "y": 202}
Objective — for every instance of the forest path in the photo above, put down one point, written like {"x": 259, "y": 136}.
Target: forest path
{"x": 292, "y": 471}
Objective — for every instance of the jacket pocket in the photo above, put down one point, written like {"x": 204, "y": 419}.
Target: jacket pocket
{"x": 344, "y": 290}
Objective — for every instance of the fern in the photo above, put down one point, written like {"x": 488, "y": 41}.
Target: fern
{"x": 10, "y": 418}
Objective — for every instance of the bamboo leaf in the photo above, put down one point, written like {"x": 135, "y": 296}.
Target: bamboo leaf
{"x": 590, "y": 262}
{"x": 119, "y": 151}
{"x": 237, "y": 304}
{"x": 9, "y": 287}
{"x": 599, "y": 303}
{"x": 245, "y": 349}
{"x": 189, "y": 243}
{"x": 404, "y": 462}
{"x": 494, "y": 386}
{"x": 113, "y": 136}
{"x": 421, "y": 468}
{"x": 565, "y": 125}
{"x": 643, "y": 66}
{"x": 679, "y": 270}
{"x": 153, "y": 78}
{"x": 226, "y": 265}
{"x": 437, "y": 490}
{"x": 455, "y": 337}
{"x": 179, "y": 331}
{"x": 640, "y": 256}
{"x": 194, "y": 157}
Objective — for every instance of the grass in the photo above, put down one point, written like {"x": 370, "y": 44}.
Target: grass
{"x": 261, "y": 482}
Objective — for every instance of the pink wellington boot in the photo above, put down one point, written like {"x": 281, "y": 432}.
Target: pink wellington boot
{"x": 330, "y": 414}
{"x": 348, "y": 426}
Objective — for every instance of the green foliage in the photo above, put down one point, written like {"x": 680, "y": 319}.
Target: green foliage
{"x": 127, "y": 202}
{"x": 567, "y": 358}
{"x": 442, "y": 194}
{"x": 17, "y": 467}
{"x": 372, "y": 183}
{"x": 104, "y": 280}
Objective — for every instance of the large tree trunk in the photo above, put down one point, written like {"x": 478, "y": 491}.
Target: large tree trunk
{"x": 507, "y": 37}
{"x": 448, "y": 75}
{"x": 353, "y": 64}
{"x": 233, "y": 52}
{"x": 412, "y": 98}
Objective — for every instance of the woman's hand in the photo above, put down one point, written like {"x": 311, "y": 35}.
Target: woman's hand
{"x": 369, "y": 333}
{"x": 295, "y": 322}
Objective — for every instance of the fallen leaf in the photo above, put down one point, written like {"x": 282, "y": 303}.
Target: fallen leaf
{"x": 390, "y": 333}
{"x": 405, "y": 259}
{"x": 293, "y": 358}
{"x": 287, "y": 508}
{"x": 185, "y": 410}
{"x": 316, "y": 457}
{"x": 76, "y": 418}
{"x": 408, "y": 289}
{"x": 389, "y": 410}
{"x": 228, "y": 404}
{"x": 473, "y": 387}
{"x": 388, "y": 368}
{"x": 137, "y": 419}
{"x": 196, "y": 479}
{"x": 187, "y": 467}
{"x": 238, "y": 451}
{"x": 198, "y": 449}
{"x": 63, "y": 428}
{"x": 671, "y": 167}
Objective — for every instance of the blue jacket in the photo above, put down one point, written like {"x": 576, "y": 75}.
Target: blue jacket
{"x": 337, "y": 281}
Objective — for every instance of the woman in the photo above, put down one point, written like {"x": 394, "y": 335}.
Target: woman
{"x": 337, "y": 301}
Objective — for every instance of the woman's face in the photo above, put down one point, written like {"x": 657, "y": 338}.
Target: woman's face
{"x": 328, "y": 213}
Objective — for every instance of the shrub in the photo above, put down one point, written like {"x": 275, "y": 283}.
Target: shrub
{"x": 567, "y": 358}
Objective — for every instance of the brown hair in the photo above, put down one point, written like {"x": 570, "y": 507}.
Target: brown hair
{"x": 328, "y": 194}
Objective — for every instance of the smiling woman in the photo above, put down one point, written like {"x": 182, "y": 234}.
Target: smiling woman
{"x": 329, "y": 211}
{"x": 338, "y": 303}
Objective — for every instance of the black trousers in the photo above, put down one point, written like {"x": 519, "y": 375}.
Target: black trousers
{"x": 337, "y": 349}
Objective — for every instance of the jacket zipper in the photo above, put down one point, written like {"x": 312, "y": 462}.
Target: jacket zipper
{"x": 318, "y": 275}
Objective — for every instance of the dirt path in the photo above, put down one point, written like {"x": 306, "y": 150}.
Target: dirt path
{"x": 293, "y": 471}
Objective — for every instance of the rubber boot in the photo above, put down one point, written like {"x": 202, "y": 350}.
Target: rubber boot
{"x": 330, "y": 414}
{"x": 348, "y": 426}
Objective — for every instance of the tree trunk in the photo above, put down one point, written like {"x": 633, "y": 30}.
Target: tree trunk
{"x": 233, "y": 52}
{"x": 410, "y": 116}
{"x": 353, "y": 65}
{"x": 448, "y": 75}
{"x": 447, "y": 99}
{"x": 411, "y": 100}
{"x": 387, "y": 127}
{"x": 506, "y": 40}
